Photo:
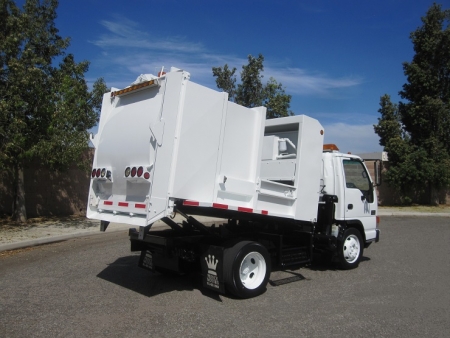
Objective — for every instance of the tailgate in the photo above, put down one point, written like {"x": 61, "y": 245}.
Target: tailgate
{"x": 128, "y": 142}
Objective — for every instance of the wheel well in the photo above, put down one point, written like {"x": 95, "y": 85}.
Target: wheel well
{"x": 358, "y": 226}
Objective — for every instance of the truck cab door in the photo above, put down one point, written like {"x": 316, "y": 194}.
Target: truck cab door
{"x": 360, "y": 197}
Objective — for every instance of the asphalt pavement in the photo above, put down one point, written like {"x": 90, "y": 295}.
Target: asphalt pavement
{"x": 92, "y": 287}
{"x": 39, "y": 233}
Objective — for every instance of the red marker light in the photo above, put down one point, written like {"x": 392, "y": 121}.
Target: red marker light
{"x": 140, "y": 171}
{"x": 93, "y": 173}
{"x": 133, "y": 172}
{"x": 147, "y": 175}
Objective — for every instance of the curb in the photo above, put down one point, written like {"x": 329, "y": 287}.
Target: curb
{"x": 54, "y": 239}
{"x": 406, "y": 213}
{"x": 115, "y": 227}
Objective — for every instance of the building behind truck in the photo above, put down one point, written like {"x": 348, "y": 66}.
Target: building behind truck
{"x": 167, "y": 145}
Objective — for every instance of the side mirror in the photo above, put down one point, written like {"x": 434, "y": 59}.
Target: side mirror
{"x": 378, "y": 165}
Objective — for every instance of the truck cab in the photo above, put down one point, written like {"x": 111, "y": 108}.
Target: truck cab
{"x": 346, "y": 176}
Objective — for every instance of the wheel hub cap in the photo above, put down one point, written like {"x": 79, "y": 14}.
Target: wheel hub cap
{"x": 252, "y": 270}
{"x": 351, "y": 249}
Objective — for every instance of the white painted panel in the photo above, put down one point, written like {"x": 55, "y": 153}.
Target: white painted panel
{"x": 166, "y": 149}
{"x": 270, "y": 148}
{"x": 307, "y": 135}
{"x": 309, "y": 153}
{"x": 124, "y": 139}
{"x": 276, "y": 205}
{"x": 199, "y": 140}
{"x": 241, "y": 150}
{"x": 281, "y": 170}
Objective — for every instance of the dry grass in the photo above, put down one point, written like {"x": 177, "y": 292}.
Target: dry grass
{"x": 7, "y": 223}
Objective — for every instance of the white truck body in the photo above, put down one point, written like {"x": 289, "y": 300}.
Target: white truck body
{"x": 198, "y": 146}
{"x": 166, "y": 144}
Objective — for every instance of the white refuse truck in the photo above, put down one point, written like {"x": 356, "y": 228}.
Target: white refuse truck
{"x": 167, "y": 145}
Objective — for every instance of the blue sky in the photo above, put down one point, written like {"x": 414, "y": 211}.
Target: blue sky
{"x": 336, "y": 58}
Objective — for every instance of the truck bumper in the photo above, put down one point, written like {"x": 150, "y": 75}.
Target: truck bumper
{"x": 377, "y": 238}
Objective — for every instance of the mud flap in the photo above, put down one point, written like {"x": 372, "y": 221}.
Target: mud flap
{"x": 212, "y": 269}
{"x": 146, "y": 260}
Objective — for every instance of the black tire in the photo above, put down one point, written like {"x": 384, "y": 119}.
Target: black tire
{"x": 246, "y": 269}
{"x": 350, "y": 249}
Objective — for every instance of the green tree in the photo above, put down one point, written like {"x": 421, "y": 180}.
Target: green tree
{"x": 45, "y": 109}
{"x": 251, "y": 92}
{"x": 415, "y": 133}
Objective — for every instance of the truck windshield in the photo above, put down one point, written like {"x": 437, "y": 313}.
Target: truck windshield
{"x": 356, "y": 177}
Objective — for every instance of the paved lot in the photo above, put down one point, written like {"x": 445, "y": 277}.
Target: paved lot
{"x": 42, "y": 231}
{"x": 91, "y": 286}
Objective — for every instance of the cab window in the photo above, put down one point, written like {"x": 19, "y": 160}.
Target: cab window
{"x": 356, "y": 177}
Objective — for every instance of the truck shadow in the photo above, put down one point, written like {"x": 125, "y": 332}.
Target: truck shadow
{"x": 326, "y": 265}
{"x": 287, "y": 276}
{"x": 126, "y": 273}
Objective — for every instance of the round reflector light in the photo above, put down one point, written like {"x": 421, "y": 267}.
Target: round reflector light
{"x": 127, "y": 171}
{"x": 147, "y": 175}
{"x": 93, "y": 173}
{"x": 133, "y": 172}
{"x": 103, "y": 172}
{"x": 97, "y": 173}
{"x": 140, "y": 171}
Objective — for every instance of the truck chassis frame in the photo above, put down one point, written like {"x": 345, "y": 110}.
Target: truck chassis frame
{"x": 194, "y": 246}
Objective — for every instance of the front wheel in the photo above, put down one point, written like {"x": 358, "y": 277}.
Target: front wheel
{"x": 350, "y": 249}
{"x": 246, "y": 269}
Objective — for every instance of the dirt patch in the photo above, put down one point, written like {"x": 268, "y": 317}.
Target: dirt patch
{"x": 8, "y": 224}
{"x": 34, "y": 228}
{"x": 10, "y": 253}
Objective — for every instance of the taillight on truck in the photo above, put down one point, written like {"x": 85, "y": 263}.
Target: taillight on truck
{"x": 140, "y": 171}
{"x": 102, "y": 173}
{"x": 136, "y": 172}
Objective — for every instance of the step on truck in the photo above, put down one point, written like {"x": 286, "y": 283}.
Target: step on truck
{"x": 167, "y": 145}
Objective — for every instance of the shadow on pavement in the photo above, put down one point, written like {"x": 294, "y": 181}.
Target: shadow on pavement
{"x": 325, "y": 265}
{"x": 293, "y": 277}
{"x": 126, "y": 273}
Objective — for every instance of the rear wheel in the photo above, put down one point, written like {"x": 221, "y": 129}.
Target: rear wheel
{"x": 246, "y": 269}
{"x": 350, "y": 249}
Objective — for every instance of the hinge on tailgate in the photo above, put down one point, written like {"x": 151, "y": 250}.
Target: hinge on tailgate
{"x": 103, "y": 225}
{"x": 144, "y": 231}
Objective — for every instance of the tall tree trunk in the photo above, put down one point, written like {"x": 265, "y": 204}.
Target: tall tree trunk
{"x": 19, "y": 211}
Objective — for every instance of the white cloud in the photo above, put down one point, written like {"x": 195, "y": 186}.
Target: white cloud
{"x": 356, "y": 139}
{"x": 131, "y": 49}
{"x": 123, "y": 33}
{"x": 303, "y": 82}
